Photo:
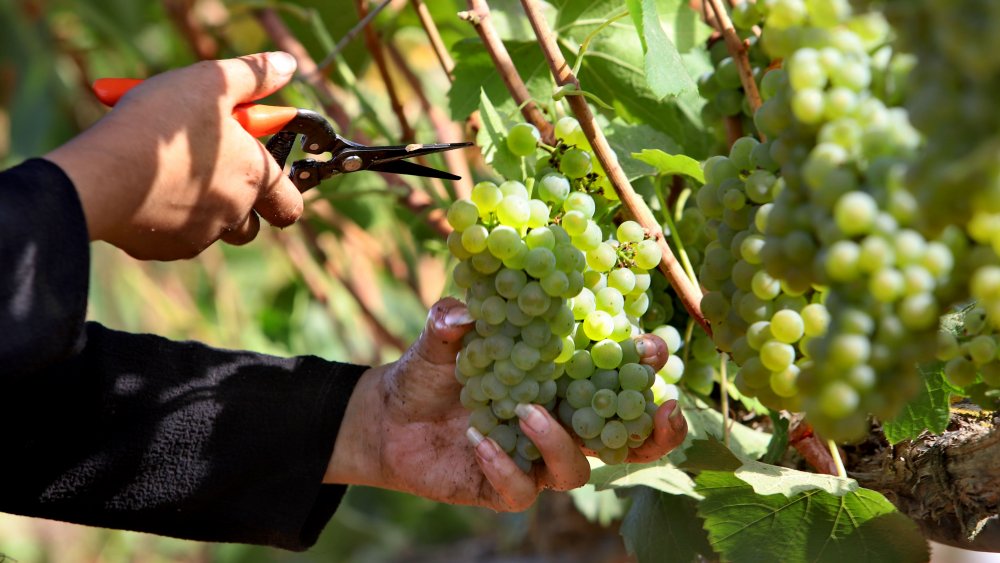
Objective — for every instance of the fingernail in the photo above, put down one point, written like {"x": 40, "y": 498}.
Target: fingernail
{"x": 282, "y": 62}
{"x": 458, "y": 316}
{"x": 531, "y": 417}
{"x": 676, "y": 416}
{"x": 485, "y": 449}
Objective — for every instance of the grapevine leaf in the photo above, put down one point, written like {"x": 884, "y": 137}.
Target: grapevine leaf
{"x": 626, "y": 138}
{"x": 665, "y": 72}
{"x": 492, "y": 140}
{"x": 703, "y": 422}
{"x": 813, "y": 525}
{"x": 603, "y": 507}
{"x": 671, "y": 163}
{"x": 474, "y": 71}
{"x": 661, "y": 475}
{"x": 928, "y": 411}
{"x": 511, "y": 23}
{"x": 658, "y": 524}
{"x": 779, "y": 439}
{"x": 710, "y": 455}
{"x": 773, "y": 479}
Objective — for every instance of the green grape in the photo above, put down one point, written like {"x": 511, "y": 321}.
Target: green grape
{"x": 505, "y": 436}
{"x": 515, "y": 189}
{"x": 631, "y": 404}
{"x": 598, "y": 325}
{"x": 838, "y": 400}
{"x": 605, "y": 401}
{"x": 462, "y": 214}
{"x": 509, "y": 283}
{"x": 606, "y": 354}
{"x": 575, "y": 163}
{"x": 524, "y": 356}
{"x": 787, "y": 326}
{"x": 855, "y": 213}
{"x": 583, "y": 304}
{"x": 533, "y": 300}
{"x": 622, "y": 279}
{"x": 614, "y": 434}
{"x": 580, "y": 393}
{"x": 776, "y": 355}
{"x": 613, "y": 456}
{"x": 574, "y": 222}
{"x": 610, "y": 300}
{"x": 648, "y": 255}
{"x": 630, "y": 231}
{"x": 590, "y": 238}
{"x": 514, "y": 211}
{"x": 503, "y": 241}
{"x": 587, "y": 423}
{"x": 639, "y": 428}
{"x": 739, "y": 153}
{"x": 815, "y": 319}
{"x": 522, "y": 139}
{"x": 633, "y": 376}
{"x": 486, "y": 196}
{"x": 540, "y": 262}
{"x": 483, "y": 420}
{"x": 527, "y": 449}
{"x": 555, "y": 283}
{"x": 579, "y": 201}
{"x": 568, "y": 129}
{"x": 539, "y": 213}
{"x": 507, "y": 372}
{"x": 504, "y": 408}
{"x": 541, "y": 237}
{"x": 554, "y": 188}
{"x": 580, "y": 365}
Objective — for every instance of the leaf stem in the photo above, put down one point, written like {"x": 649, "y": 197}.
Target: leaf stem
{"x": 681, "y": 252}
{"x": 689, "y": 294}
{"x": 724, "y": 389}
{"x": 837, "y": 460}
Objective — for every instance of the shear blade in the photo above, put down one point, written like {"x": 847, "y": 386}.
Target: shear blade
{"x": 412, "y": 169}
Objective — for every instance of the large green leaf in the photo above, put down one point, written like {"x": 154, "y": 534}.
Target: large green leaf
{"x": 660, "y": 527}
{"x": 661, "y": 475}
{"x": 474, "y": 71}
{"x": 665, "y": 71}
{"x": 930, "y": 410}
{"x": 492, "y": 140}
{"x": 704, "y": 421}
{"x": 671, "y": 163}
{"x": 813, "y": 525}
{"x": 603, "y": 507}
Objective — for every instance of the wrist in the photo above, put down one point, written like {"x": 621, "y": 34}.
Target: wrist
{"x": 83, "y": 167}
{"x": 356, "y": 456}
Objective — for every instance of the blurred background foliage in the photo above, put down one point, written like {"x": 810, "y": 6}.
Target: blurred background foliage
{"x": 352, "y": 282}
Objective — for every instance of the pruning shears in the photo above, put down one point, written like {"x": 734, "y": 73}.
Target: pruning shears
{"x": 318, "y": 136}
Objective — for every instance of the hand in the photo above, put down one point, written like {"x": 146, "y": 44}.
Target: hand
{"x": 169, "y": 171}
{"x": 404, "y": 429}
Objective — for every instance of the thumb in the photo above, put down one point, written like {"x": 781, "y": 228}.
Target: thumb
{"x": 252, "y": 77}
{"x": 447, "y": 322}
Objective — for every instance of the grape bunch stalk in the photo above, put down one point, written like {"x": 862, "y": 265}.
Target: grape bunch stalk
{"x": 557, "y": 303}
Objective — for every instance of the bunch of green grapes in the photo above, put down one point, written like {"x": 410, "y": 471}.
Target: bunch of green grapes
{"x": 971, "y": 355}
{"x": 518, "y": 270}
{"x": 763, "y": 322}
{"x": 556, "y": 303}
{"x": 842, "y": 218}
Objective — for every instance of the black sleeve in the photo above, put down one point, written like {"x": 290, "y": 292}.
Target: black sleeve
{"x": 137, "y": 432}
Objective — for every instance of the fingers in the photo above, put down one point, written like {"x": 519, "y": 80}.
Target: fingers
{"x": 652, "y": 351}
{"x": 669, "y": 430}
{"x": 278, "y": 201}
{"x": 252, "y": 77}
{"x": 244, "y": 233}
{"x": 515, "y": 488}
{"x": 447, "y": 322}
{"x": 565, "y": 467}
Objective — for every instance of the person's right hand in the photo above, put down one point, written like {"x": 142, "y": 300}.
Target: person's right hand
{"x": 169, "y": 171}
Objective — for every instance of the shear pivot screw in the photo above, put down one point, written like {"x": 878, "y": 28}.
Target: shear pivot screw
{"x": 352, "y": 164}
{"x": 314, "y": 146}
{"x": 304, "y": 175}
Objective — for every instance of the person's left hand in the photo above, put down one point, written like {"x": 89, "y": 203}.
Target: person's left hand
{"x": 405, "y": 430}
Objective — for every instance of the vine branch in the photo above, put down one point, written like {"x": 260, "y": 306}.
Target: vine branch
{"x": 738, "y": 50}
{"x": 374, "y": 45}
{"x": 689, "y": 294}
{"x": 434, "y": 36}
{"x": 479, "y": 16}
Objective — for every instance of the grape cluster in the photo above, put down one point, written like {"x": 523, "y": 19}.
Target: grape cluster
{"x": 556, "y": 303}
{"x": 842, "y": 218}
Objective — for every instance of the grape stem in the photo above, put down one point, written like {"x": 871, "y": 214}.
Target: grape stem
{"x": 417, "y": 201}
{"x": 689, "y": 294}
{"x": 479, "y": 16}
{"x": 738, "y": 50}
{"x": 681, "y": 252}
{"x": 837, "y": 460}
{"x": 724, "y": 388}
